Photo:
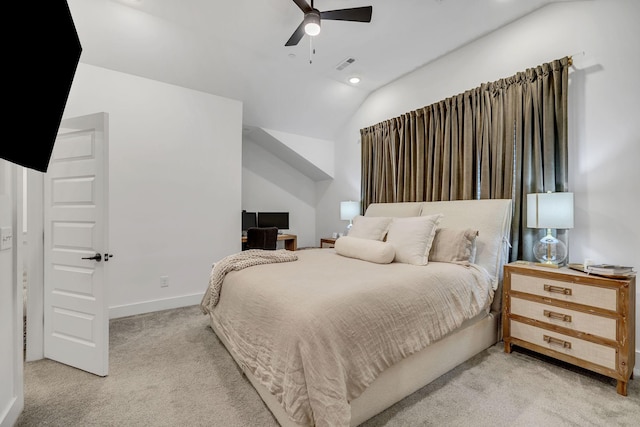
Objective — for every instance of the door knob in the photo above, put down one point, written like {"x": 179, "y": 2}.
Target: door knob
{"x": 96, "y": 257}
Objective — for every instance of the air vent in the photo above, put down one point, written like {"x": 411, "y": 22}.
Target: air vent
{"x": 344, "y": 64}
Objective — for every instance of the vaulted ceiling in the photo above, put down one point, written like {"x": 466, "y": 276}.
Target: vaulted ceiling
{"x": 236, "y": 49}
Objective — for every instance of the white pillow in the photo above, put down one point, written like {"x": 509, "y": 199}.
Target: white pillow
{"x": 454, "y": 245}
{"x": 412, "y": 238}
{"x": 372, "y": 228}
{"x": 365, "y": 249}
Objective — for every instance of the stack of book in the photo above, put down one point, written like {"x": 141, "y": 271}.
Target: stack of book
{"x": 609, "y": 270}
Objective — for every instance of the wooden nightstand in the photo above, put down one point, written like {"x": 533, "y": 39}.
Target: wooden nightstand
{"x": 329, "y": 241}
{"x": 585, "y": 320}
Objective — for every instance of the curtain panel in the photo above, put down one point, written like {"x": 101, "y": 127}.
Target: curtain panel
{"x": 501, "y": 140}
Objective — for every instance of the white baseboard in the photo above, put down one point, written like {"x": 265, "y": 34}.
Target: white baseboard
{"x": 636, "y": 369}
{"x": 155, "y": 305}
{"x": 12, "y": 412}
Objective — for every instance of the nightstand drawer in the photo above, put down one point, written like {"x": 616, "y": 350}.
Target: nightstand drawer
{"x": 581, "y": 349}
{"x": 583, "y": 322}
{"x": 566, "y": 291}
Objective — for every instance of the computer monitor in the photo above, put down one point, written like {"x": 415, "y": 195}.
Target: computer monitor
{"x": 249, "y": 219}
{"x": 274, "y": 219}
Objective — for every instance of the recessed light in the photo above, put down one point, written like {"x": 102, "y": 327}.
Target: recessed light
{"x": 354, "y": 80}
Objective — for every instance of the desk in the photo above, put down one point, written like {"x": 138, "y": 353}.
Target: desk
{"x": 290, "y": 241}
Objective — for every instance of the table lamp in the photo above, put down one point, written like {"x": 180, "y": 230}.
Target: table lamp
{"x": 550, "y": 210}
{"x": 348, "y": 211}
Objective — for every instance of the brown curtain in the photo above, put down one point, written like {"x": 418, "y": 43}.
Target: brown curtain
{"x": 504, "y": 139}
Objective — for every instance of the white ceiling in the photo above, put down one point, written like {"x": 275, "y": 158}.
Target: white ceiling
{"x": 235, "y": 49}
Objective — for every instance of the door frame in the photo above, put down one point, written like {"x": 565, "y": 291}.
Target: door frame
{"x": 11, "y": 408}
{"x": 34, "y": 257}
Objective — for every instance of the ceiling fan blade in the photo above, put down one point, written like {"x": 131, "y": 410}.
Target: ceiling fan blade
{"x": 358, "y": 14}
{"x": 303, "y": 5}
{"x": 296, "y": 36}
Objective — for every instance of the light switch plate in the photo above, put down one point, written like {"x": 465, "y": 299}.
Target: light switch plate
{"x": 6, "y": 238}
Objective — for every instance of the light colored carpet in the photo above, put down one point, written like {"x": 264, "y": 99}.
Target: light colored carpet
{"x": 169, "y": 369}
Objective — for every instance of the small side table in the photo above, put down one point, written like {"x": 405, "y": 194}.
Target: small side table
{"x": 328, "y": 241}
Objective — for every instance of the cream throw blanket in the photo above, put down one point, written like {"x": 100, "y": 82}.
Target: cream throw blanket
{"x": 236, "y": 262}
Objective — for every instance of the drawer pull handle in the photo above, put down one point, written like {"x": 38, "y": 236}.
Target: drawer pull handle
{"x": 552, "y": 340}
{"x": 557, "y": 316}
{"x": 557, "y": 290}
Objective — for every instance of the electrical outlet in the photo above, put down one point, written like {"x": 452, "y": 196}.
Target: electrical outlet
{"x": 164, "y": 281}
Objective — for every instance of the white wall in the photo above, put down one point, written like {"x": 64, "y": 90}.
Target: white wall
{"x": 604, "y": 130}
{"x": 11, "y": 382}
{"x": 271, "y": 185}
{"x": 319, "y": 152}
{"x": 174, "y": 185}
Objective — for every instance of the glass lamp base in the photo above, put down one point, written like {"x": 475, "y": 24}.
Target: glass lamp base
{"x": 550, "y": 251}
{"x": 346, "y": 231}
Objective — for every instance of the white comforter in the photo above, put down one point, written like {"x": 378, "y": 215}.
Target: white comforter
{"x": 317, "y": 331}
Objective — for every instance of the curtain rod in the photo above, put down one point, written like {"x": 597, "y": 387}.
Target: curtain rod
{"x": 574, "y": 54}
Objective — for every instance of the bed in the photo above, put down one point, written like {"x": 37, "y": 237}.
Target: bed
{"x": 331, "y": 337}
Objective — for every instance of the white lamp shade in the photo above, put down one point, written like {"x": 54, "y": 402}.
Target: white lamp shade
{"x": 550, "y": 210}
{"x": 349, "y": 210}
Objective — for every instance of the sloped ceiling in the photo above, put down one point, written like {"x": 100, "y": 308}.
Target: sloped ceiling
{"x": 235, "y": 49}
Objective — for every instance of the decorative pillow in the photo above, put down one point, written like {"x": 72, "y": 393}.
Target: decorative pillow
{"x": 372, "y": 228}
{"x": 412, "y": 237}
{"x": 365, "y": 249}
{"x": 454, "y": 245}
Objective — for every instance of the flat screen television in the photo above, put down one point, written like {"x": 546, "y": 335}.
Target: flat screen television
{"x": 249, "y": 219}
{"x": 274, "y": 219}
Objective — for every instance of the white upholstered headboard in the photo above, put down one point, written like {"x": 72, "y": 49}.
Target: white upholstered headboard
{"x": 492, "y": 219}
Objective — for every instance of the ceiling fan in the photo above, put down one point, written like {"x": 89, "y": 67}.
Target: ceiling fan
{"x": 311, "y": 23}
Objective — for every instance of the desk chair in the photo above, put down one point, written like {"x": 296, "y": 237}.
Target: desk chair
{"x": 262, "y": 238}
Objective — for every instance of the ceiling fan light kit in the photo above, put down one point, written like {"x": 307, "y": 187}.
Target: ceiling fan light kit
{"x": 310, "y": 24}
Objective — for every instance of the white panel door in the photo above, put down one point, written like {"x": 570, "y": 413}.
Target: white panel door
{"x": 76, "y": 321}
